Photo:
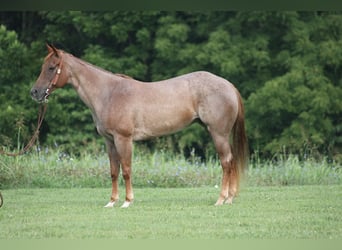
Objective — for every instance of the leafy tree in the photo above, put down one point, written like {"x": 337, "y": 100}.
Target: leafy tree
{"x": 287, "y": 66}
{"x": 301, "y": 109}
{"x": 15, "y": 113}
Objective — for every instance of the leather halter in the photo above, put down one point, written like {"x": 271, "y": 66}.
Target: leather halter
{"x": 54, "y": 80}
{"x": 58, "y": 73}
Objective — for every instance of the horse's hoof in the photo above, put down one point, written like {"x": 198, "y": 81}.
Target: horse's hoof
{"x": 110, "y": 204}
{"x": 126, "y": 204}
{"x": 229, "y": 201}
{"x": 219, "y": 203}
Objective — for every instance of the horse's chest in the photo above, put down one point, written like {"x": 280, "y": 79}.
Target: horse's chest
{"x": 100, "y": 127}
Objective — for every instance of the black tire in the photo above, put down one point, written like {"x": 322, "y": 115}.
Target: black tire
{"x": 1, "y": 200}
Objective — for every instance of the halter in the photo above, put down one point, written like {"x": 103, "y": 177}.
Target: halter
{"x": 55, "y": 78}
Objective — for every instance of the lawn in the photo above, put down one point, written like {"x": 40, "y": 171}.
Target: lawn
{"x": 278, "y": 212}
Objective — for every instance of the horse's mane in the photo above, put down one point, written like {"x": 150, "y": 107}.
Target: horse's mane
{"x": 123, "y": 76}
{"x": 97, "y": 67}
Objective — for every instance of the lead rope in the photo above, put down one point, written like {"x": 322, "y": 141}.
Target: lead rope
{"x": 41, "y": 115}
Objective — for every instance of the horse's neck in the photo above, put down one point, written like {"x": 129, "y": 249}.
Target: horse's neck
{"x": 89, "y": 82}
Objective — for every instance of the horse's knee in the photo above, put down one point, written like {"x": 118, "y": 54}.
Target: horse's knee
{"x": 229, "y": 157}
{"x": 226, "y": 161}
{"x": 225, "y": 154}
{"x": 114, "y": 172}
{"x": 114, "y": 176}
{"x": 126, "y": 173}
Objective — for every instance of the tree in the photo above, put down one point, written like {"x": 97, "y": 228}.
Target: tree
{"x": 300, "y": 110}
{"x": 287, "y": 66}
{"x": 14, "y": 70}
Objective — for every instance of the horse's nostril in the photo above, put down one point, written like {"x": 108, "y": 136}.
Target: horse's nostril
{"x": 34, "y": 92}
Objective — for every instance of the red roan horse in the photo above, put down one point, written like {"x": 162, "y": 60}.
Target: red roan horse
{"x": 127, "y": 110}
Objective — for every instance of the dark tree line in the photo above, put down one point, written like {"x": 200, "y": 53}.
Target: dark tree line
{"x": 287, "y": 66}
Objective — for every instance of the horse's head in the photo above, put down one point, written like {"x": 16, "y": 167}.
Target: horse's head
{"x": 52, "y": 76}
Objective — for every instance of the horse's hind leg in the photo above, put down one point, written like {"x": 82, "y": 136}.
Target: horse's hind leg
{"x": 223, "y": 149}
{"x": 233, "y": 179}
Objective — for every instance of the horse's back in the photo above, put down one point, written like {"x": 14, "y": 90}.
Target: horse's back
{"x": 200, "y": 90}
{"x": 197, "y": 77}
{"x": 202, "y": 84}
{"x": 167, "y": 106}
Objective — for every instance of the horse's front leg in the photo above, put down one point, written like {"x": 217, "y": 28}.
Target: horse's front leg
{"x": 124, "y": 147}
{"x": 114, "y": 172}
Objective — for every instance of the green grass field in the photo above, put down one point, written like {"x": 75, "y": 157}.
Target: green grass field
{"x": 285, "y": 212}
{"x": 52, "y": 195}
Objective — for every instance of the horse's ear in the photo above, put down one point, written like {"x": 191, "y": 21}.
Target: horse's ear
{"x": 52, "y": 48}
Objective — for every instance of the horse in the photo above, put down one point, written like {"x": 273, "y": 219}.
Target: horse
{"x": 125, "y": 110}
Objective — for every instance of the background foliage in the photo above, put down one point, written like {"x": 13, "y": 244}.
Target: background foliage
{"x": 287, "y": 66}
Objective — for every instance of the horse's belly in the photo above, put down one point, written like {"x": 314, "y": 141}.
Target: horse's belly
{"x": 159, "y": 123}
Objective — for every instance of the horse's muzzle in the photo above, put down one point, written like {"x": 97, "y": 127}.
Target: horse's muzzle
{"x": 40, "y": 95}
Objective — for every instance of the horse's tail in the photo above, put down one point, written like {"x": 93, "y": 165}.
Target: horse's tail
{"x": 239, "y": 141}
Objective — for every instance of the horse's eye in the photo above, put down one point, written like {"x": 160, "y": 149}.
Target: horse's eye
{"x": 51, "y": 68}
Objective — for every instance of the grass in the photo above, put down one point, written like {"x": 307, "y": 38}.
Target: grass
{"x": 55, "y": 169}
{"x": 52, "y": 195}
{"x": 285, "y": 212}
